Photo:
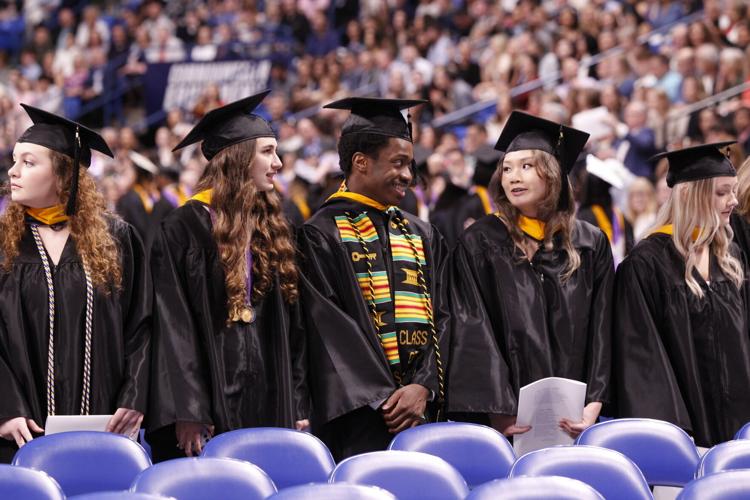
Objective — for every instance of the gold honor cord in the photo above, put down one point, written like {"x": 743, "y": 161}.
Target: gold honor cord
{"x": 430, "y": 313}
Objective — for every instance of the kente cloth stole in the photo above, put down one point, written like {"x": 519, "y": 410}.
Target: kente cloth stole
{"x": 399, "y": 309}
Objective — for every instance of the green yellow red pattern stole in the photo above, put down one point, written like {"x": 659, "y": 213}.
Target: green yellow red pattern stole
{"x": 401, "y": 307}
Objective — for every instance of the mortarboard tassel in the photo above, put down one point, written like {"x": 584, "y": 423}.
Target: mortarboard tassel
{"x": 71, "y": 208}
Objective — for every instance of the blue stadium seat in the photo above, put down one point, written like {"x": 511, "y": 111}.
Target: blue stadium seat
{"x": 729, "y": 485}
{"x": 289, "y": 457}
{"x": 205, "y": 479}
{"x": 19, "y": 482}
{"x": 85, "y": 461}
{"x": 335, "y": 491}
{"x": 664, "y": 452}
{"x": 725, "y": 456}
{"x": 535, "y": 488}
{"x": 610, "y": 472}
{"x": 407, "y": 474}
{"x": 744, "y": 432}
{"x": 119, "y": 495}
{"x": 478, "y": 452}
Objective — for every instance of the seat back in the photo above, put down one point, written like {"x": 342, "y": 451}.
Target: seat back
{"x": 119, "y": 495}
{"x": 406, "y": 474}
{"x": 663, "y": 452}
{"x": 725, "y": 456}
{"x": 289, "y": 457}
{"x": 20, "y": 482}
{"x": 729, "y": 485}
{"x": 85, "y": 461}
{"x": 744, "y": 432}
{"x": 334, "y": 491}
{"x": 610, "y": 472}
{"x": 533, "y": 488}
{"x": 478, "y": 452}
{"x": 205, "y": 479}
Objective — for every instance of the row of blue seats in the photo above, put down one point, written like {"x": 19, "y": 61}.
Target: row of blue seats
{"x": 648, "y": 452}
{"x": 416, "y": 475}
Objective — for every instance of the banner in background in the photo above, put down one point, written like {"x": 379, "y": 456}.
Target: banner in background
{"x": 179, "y": 85}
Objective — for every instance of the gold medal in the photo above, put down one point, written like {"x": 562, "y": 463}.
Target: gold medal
{"x": 247, "y": 314}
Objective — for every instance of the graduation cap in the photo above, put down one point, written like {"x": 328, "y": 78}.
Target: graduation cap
{"x": 486, "y": 165}
{"x": 373, "y": 115}
{"x": 524, "y": 131}
{"x": 698, "y": 162}
{"x": 143, "y": 162}
{"x": 229, "y": 125}
{"x": 66, "y": 137}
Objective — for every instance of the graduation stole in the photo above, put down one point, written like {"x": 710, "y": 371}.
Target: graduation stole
{"x": 53, "y": 216}
{"x": 176, "y": 195}
{"x": 484, "y": 197}
{"x": 615, "y": 229}
{"x": 148, "y": 199}
{"x": 401, "y": 311}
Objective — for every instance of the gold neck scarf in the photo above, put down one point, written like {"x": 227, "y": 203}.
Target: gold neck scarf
{"x": 203, "y": 196}
{"x": 50, "y": 215}
{"x": 532, "y": 227}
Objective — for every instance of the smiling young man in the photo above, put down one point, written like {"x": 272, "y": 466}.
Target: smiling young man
{"x": 369, "y": 286}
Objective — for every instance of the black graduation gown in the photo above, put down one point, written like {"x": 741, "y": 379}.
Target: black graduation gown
{"x": 204, "y": 370}
{"x": 453, "y": 209}
{"x": 677, "y": 357}
{"x": 514, "y": 322}
{"x": 120, "y": 339}
{"x": 131, "y": 209}
{"x": 587, "y": 215}
{"x": 347, "y": 368}
{"x": 741, "y": 228}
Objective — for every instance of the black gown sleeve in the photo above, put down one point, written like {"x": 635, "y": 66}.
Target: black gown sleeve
{"x": 645, "y": 380}
{"x": 182, "y": 392}
{"x": 13, "y": 402}
{"x": 137, "y": 302}
{"x": 599, "y": 348}
{"x": 479, "y": 379}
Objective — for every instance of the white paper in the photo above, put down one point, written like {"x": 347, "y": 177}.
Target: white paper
{"x": 65, "y": 423}
{"x": 542, "y": 404}
{"x": 594, "y": 121}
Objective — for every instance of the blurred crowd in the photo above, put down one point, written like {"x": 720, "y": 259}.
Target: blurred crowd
{"x": 628, "y": 71}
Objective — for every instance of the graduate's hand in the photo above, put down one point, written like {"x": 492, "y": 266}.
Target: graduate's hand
{"x": 506, "y": 424}
{"x": 189, "y": 436}
{"x": 125, "y": 421}
{"x": 405, "y": 408}
{"x": 19, "y": 429}
{"x": 302, "y": 425}
{"x": 590, "y": 414}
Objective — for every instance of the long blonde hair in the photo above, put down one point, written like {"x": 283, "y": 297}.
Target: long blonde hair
{"x": 89, "y": 228}
{"x": 743, "y": 189}
{"x": 557, "y": 221}
{"x": 691, "y": 206}
{"x": 239, "y": 210}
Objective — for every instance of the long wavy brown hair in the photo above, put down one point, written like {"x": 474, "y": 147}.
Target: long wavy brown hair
{"x": 557, "y": 221}
{"x": 240, "y": 210}
{"x": 89, "y": 229}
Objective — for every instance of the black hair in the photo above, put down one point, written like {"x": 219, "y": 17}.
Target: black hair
{"x": 365, "y": 143}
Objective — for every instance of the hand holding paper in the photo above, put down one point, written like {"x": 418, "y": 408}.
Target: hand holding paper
{"x": 543, "y": 405}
